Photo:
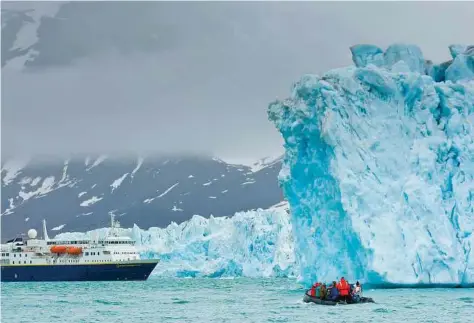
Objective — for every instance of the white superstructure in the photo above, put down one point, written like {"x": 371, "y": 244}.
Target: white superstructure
{"x": 33, "y": 251}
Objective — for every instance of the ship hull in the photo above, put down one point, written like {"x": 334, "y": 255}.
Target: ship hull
{"x": 131, "y": 270}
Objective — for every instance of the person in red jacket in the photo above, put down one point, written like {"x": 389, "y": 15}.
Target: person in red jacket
{"x": 312, "y": 291}
{"x": 344, "y": 288}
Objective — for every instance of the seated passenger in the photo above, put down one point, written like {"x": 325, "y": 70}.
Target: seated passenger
{"x": 334, "y": 293}
{"x": 314, "y": 291}
{"x": 357, "y": 292}
{"x": 318, "y": 290}
{"x": 343, "y": 287}
{"x": 323, "y": 292}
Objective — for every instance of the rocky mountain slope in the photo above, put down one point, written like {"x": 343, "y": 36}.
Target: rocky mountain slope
{"x": 80, "y": 194}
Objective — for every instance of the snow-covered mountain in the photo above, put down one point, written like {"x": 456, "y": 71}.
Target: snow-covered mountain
{"x": 80, "y": 194}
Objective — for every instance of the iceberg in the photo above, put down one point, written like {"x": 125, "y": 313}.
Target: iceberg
{"x": 379, "y": 168}
{"x": 257, "y": 243}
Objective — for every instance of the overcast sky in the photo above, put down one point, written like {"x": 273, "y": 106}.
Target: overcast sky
{"x": 206, "y": 85}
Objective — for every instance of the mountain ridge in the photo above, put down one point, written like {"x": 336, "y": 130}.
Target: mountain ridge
{"x": 80, "y": 194}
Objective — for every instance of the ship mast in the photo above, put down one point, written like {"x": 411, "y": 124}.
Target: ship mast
{"x": 45, "y": 232}
{"x": 113, "y": 225}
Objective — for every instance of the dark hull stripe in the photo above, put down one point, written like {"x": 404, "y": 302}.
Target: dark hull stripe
{"x": 123, "y": 271}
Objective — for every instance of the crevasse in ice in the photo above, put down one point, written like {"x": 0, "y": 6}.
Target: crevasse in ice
{"x": 379, "y": 168}
{"x": 254, "y": 244}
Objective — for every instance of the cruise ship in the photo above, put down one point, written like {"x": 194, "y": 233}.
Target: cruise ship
{"x": 104, "y": 259}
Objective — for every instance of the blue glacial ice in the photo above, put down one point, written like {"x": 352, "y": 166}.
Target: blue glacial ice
{"x": 379, "y": 168}
{"x": 255, "y": 243}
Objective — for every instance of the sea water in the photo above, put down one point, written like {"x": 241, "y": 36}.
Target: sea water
{"x": 220, "y": 300}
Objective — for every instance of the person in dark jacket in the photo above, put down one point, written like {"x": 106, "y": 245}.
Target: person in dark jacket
{"x": 334, "y": 293}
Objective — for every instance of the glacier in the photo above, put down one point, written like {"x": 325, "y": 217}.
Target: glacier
{"x": 378, "y": 168}
{"x": 256, "y": 243}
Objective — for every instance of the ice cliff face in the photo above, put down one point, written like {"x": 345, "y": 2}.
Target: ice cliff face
{"x": 254, "y": 244}
{"x": 379, "y": 168}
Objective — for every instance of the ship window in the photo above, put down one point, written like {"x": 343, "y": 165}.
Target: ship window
{"x": 87, "y": 253}
{"x": 3, "y": 254}
{"x": 31, "y": 262}
{"x": 7, "y": 254}
{"x": 26, "y": 255}
{"x": 25, "y": 261}
{"x": 98, "y": 253}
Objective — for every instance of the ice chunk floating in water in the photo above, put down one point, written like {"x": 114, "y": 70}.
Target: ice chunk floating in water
{"x": 379, "y": 168}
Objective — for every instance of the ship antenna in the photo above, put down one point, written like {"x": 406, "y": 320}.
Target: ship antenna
{"x": 45, "y": 232}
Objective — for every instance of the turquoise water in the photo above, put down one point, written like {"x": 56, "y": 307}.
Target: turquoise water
{"x": 219, "y": 300}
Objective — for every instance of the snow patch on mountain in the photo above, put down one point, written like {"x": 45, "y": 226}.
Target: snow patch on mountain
{"x": 46, "y": 187}
{"x": 99, "y": 160}
{"x": 35, "y": 181}
{"x": 58, "y": 228}
{"x": 10, "y": 208}
{"x": 149, "y": 200}
{"x": 11, "y": 169}
{"x": 253, "y": 165}
{"x": 91, "y": 201}
{"x": 176, "y": 209}
{"x": 139, "y": 164}
{"x": 168, "y": 190}
{"x": 118, "y": 182}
